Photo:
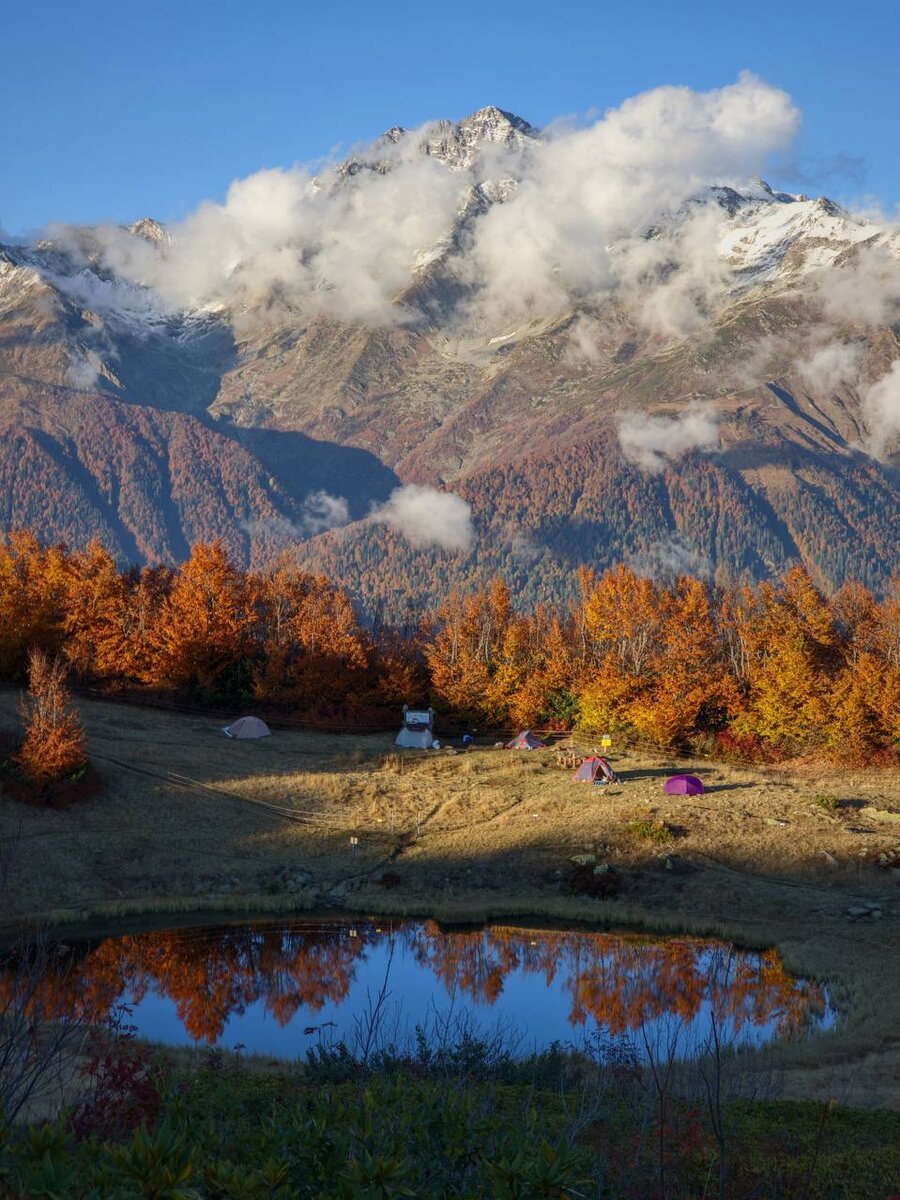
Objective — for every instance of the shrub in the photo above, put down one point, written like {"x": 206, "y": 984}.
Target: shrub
{"x": 123, "y": 1088}
{"x": 585, "y": 880}
{"x": 829, "y": 803}
{"x": 743, "y": 747}
{"x": 650, "y": 831}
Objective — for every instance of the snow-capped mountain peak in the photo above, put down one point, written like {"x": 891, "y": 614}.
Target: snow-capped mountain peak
{"x": 149, "y": 230}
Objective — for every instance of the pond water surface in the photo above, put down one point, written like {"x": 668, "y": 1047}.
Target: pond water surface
{"x": 283, "y": 988}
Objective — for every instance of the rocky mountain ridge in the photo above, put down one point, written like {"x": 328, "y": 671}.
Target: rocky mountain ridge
{"x": 714, "y": 390}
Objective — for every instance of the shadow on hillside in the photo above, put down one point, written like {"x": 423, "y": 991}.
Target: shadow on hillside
{"x": 302, "y": 464}
{"x": 726, "y": 787}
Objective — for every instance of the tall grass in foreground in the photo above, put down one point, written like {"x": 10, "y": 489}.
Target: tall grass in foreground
{"x": 451, "y": 1114}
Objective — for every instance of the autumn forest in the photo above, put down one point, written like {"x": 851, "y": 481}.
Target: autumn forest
{"x": 768, "y": 672}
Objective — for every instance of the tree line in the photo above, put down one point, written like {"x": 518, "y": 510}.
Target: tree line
{"x": 770, "y": 671}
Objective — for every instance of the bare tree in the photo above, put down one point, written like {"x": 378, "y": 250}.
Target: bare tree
{"x": 40, "y": 1042}
{"x": 661, "y": 1043}
{"x": 40, "y": 1039}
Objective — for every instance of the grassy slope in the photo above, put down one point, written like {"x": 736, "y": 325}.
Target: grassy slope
{"x": 494, "y": 831}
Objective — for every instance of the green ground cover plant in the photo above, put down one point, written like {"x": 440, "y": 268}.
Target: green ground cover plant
{"x": 650, "y": 831}
{"x": 465, "y": 1121}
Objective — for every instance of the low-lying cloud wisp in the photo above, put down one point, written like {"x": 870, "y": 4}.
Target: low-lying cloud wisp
{"x": 322, "y": 511}
{"x": 832, "y": 366}
{"x": 650, "y": 442}
{"x": 425, "y": 516}
{"x": 881, "y": 406}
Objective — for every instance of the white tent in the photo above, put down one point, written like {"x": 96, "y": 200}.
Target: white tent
{"x": 418, "y": 729}
{"x": 247, "y": 727}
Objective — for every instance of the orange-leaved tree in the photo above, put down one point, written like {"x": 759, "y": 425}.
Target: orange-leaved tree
{"x": 864, "y": 704}
{"x": 96, "y": 602}
{"x": 202, "y": 635}
{"x": 464, "y": 653}
{"x": 624, "y": 615}
{"x": 54, "y": 744}
{"x": 793, "y": 653}
{"x": 689, "y": 687}
{"x": 31, "y": 600}
{"x": 313, "y": 649}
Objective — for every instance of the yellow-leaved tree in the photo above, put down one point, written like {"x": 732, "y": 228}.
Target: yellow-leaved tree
{"x": 792, "y": 657}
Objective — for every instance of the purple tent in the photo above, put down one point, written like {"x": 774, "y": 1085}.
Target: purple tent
{"x": 683, "y": 785}
{"x": 592, "y": 767}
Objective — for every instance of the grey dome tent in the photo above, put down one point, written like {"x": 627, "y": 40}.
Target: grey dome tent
{"x": 418, "y": 729}
{"x": 525, "y": 740}
{"x": 247, "y": 727}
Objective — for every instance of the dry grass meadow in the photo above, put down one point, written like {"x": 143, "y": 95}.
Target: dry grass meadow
{"x": 191, "y": 822}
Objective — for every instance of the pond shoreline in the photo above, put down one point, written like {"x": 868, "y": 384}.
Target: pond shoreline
{"x": 190, "y": 912}
{"x": 854, "y": 1062}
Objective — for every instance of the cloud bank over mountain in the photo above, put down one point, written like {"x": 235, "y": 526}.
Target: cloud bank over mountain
{"x": 576, "y": 206}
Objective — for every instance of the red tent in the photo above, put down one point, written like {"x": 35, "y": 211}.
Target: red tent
{"x": 683, "y": 785}
{"x": 526, "y": 740}
{"x": 592, "y": 767}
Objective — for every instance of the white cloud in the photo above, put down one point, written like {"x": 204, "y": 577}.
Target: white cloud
{"x": 86, "y": 370}
{"x": 832, "y": 366}
{"x": 322, "y": 511}
{"x": 427, "y": 517}
{"x": 549, "y": 245}
{"x": 650, "y": 441}
{"x": 583, "y": 343}
{"x": 881, "y": 405}
{"x": 283, "y": 238}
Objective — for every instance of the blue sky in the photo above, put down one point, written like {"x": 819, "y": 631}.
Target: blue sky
{"x": 119, "y": 110}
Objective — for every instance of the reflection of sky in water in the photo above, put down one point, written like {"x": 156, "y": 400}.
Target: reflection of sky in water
{"x": 530, "y": 1011}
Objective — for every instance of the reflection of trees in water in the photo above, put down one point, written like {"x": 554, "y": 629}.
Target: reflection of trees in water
{"x": 622, "y": 981}
{"x": 619, "y": 981}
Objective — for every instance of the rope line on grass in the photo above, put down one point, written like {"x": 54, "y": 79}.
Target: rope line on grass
{"x": 306, "y": 817}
